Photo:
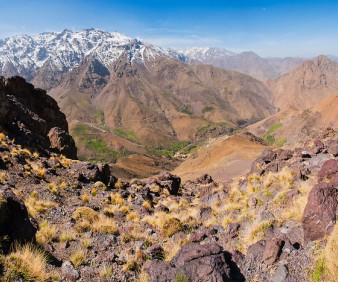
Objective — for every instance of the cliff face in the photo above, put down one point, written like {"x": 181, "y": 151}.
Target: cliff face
{"x": 29, "y": 115}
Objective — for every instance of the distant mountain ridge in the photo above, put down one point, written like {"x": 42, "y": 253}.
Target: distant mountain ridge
{"x": 25, "y": 55}
{"x": 62, "y": 51}
{"x": 246, "y": 62}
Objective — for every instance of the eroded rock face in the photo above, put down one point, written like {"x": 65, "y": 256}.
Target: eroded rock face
{"x": 28, "y": 114}
{"x": 194, "y": 262}
{"x": 320, "y": 212}
{"x": 62, "y": 142}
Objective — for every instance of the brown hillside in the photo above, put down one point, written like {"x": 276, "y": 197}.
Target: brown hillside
{"x": 306, "y": 85}
{"x": 222, "y": 158}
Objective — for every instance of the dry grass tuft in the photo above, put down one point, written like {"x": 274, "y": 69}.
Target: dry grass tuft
{"x": 27, "y": 262}
{"x": 34, "y": 205}
{"x": 331, "y": 254}
{"x": 78, "y": 258}
{"x": 172, "y": 226}
{"x": 46, "y": 233}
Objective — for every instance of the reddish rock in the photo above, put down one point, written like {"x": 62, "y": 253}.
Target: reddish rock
{"x": 333, "y": 149}
{"x": 329, "y": 169}
{"x": 257, "y": 249}
{"x": 320, "y": 212}
{"x": 272, "y": 251}
{"x": 194, "y": 262}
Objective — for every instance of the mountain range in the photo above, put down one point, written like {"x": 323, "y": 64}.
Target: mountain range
{"x": 123, "y": 95}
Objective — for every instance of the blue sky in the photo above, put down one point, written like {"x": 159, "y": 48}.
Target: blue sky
{"x": 269, "y": 28}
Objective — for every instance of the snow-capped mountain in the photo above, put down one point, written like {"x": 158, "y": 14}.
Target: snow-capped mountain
{"x": 65, "y": 50}
{"x": 203, "y": 54}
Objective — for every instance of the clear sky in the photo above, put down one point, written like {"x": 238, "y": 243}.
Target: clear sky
{"x": 269, "y": 28}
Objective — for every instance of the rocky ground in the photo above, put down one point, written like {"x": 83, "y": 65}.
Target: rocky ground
{"x": 68, "y": 220}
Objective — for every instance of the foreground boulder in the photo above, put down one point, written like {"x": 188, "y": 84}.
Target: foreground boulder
{"x": 194, "y": 262}
{"x": 15, "y": 222}
{"x": 28, "y": 114}
{"x": 320, "y": 212}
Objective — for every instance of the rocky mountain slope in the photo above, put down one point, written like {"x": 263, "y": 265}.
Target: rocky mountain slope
{"x": 75, "y": 221}
{"x": 246, "y": 62}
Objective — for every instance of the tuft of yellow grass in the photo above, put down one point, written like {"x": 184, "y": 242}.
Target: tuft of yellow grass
{"x": 78, "y": 258}
{"x": 28, "y": 262}
{"x": 34, "y": 205}
{"x": 46, "y": 233}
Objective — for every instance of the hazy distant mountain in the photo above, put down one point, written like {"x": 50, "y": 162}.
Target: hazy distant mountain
{"x": 308, "y": 101}
{"x": 247, "y": 62}
{"x": 306, "y": 85}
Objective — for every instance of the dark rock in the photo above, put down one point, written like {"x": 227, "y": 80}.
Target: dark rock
{"x": 210, "y": 196}
{"x": 62, "y": 142}
{"x": 204, "y": 179}
{"x": 155, "y": 252}
{"x": 198, "y": 237}
{"x": 205, "y": 213}
{"x": 237, "y": 256}
{"x": 170, "y": 182}
{"x": 232, "y": 230}
{"x": 88, "y": 172}
{"x": 320, "y": 212}
{"x": 272, "y": 250}
{"x": 296, "y": 236}
{"x": 252, "y": 202}
{"x": 14, "y": 219}
{"x": 160, "y": 271}
{"x": 334, "y": 180}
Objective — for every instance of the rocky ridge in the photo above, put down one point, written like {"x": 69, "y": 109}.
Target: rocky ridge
{"x": 33, "y": 118}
